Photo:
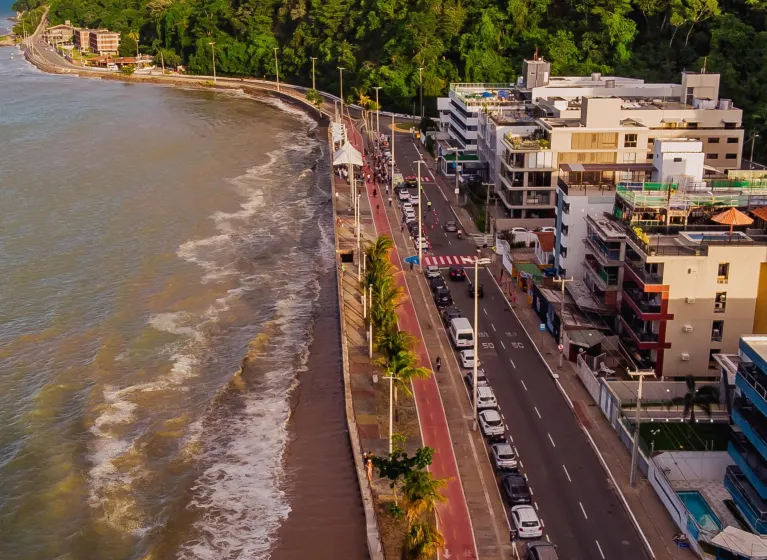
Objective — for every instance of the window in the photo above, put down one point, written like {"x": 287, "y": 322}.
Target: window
{"x": 720, "y": 302}
{"x": 732, "y": 140}
{"x": 730, "y": 125}
{"x": 630, "y": 141}
{"x": 731, "y": 156}
{"x": 723, "y": 273}
{"x": 630, "y": 157}
{"x": 594, "y": 141}
{"x": 717, "y": 330}
{"x": 713, "y": 140}
{"x": 677, "y": 160}
{"x": 712, "y": 156}
{"x": 711, "y": 361}
{"x": 588, "y": 157}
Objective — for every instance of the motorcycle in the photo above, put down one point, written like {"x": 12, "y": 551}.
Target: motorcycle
{"x": 459, "y": 234}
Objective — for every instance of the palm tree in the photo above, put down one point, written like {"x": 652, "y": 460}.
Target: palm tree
{"x": 135, "y": 36}
{"x": 379, "y": 249}
{"x": 402, "y": 367}
{"x": 423, "y": 542}
{"x": 376, "y": 270}
{"x": 386, "y": 295}
{"x": 392, "y": 342}
{"x": 422, "y": 494}
{"x": 702, "y": 398}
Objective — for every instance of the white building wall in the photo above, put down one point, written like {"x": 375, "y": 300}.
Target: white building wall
{"x": 575, "y": 220}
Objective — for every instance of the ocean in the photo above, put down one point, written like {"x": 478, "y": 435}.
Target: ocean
{"x": 163, "y": 255}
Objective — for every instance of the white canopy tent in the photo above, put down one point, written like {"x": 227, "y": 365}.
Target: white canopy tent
{"x": 347, "y": 155}
{"x": 339, "y": 132}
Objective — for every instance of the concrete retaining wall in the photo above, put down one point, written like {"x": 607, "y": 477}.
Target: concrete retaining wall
{"x": 694, "y": 465}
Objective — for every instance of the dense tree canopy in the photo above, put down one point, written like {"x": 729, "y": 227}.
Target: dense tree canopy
{"x": 384, "y": 42}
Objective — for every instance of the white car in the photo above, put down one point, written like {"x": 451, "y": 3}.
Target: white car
{"x": 414, "y": 199}
{"x": 432, "y": 271}
{"x": 408, "y": 206}
{"x": 491, "y": 423}
{"x": 424, "y": 245}
{"x": 518, "y": 230}
{"x": 403, "y": 196}
{"x": 409, "y": 215}
{"x": 486, "y": 398}
{"x": 467, "y": 358}
{"x": 548, "y": 229}
{"x": 504, "y": 457}
{"x": 526, "y": 522}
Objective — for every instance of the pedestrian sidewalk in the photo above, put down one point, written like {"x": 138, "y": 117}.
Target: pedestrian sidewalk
{"x": 656, "y": 523}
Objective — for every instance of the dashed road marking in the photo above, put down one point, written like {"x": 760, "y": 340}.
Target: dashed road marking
{"x": 538, "y": 413}
{"x": 523, "y": 384}
{"x": 484, "y": 311}
{"x": 520, "y": 463}
{"x": 583, "y": 510}
{"x": 507, "y": 427}
{"x": 551, "y": 439}
{"x": 492, "y": 325}
{"x": 502, "y": 344}
{"x": 535, "y": 505}
{"x": 513, "y": 364}
{"x": 567, "y": 473}
{"x": 547, "y": 538}
{"x": 602, "y": 554}
{"x": 543, "y": 525}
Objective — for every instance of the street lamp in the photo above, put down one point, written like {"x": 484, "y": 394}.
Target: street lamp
{"x": 753, "y": 141}
{"x": 562, "y": 281}
{"x": 378, "y": 113}
{"x": 455, "y": 151}
{"x": 391, "y": 409}
{"x": 420, "y": 83}
{"x": 213, "y": 56}
{"x": 477, "y": 261}
{"x": 313, "y": 59}
{"x": 341, "y": 72}
{"x": 277, "y": 68}
{"x": 635, "y": 448}
{"x": 420, "y": 237}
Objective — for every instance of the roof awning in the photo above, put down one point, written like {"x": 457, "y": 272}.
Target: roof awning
{"x": 670, "y": 120}
{"x": 760, "y": 213}
{"x": 692, "y": 120}
{"x": 587, "y": 338}
{"x": 730, "y": 121}
{"x": 571, "y": 167}
{"x": 347, "y": 155}
{"x": 711, "y": 169}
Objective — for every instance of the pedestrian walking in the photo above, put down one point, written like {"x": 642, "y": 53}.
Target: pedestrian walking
{"x": 438, "y": 363}
{"x": 387, "y": 189}
{"x": 375, "y": 193}
{"x": 378, "y": 207}
{"x": 365, "y": 459}
{"x": 390, "y": 201}
{"x": 370, "y": 467}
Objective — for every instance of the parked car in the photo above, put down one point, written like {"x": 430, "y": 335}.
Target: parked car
{"x": 515, "y": 230}
{"x": 432, "y": 271}
{"x": 412, "y": 227}
{"x": 480, "y": 290}
{"x": 515, "y": 490}
{"x": 467, "y": 358}
{"x": 526, "y": 522}
{"x": 409, "y": 215}
{"x": 436, "y": 283}
{"x": 450, "y": 313}
{"x": 457, "y": 273}
{"x": 541, "y": 550}
{"x": 481, "y": 378}
{"x": 407, "y": 206}
{"x": 414, "y": 199}
{"x": 442, "y": 297}
{"x": 549, "y": 229}
{"x": 490, "y": 422}
{"x": 403, "y": 195}
{"x": 424, "y": 242}
{"x": 504, "y": 457}
{"x": 450, "y": 225}
{"x": 486, "y": 398}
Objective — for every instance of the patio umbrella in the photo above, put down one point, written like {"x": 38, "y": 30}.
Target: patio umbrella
{"x": 486, "y": 94}
{"x": 732, "y": 217}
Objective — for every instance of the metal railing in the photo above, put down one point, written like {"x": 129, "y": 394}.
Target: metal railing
{"x": 647, "y": 278}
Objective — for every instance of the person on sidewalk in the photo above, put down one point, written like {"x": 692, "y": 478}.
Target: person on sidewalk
{"x": 378, "y": 207}
{"x": 390, "y": 201}
{"x": 375, "y": 193}
{"x": 438, "y": 363}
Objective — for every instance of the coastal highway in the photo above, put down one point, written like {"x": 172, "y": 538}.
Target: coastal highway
{"x": 581, "y": 511}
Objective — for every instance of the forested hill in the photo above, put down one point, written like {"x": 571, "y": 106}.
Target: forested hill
{"x": 383, "y": 42}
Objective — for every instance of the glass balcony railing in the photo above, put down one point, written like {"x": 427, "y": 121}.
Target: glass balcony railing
{"x": 606, "y": 254}
{"x": 750, "y": 461}
{"x": 642, "y": 302}
{"x": 640, "y": 330}
{"x": 751, "y": 422}
{"x": 647, "y": 278}
{"x": 753, "y": 508}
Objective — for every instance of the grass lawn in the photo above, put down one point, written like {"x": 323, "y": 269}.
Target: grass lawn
{"x": 683, "y": 436}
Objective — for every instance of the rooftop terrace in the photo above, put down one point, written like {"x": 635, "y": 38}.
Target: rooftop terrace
{"x": 739, "y": 193}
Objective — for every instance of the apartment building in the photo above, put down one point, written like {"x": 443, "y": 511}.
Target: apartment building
{"x": 104, "y": 42}
{"x": 82, "y": 39}
{"x": 57, "y": 34}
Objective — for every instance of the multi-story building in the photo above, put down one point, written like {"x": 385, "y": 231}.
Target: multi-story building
{"x": 82, "y": 39}
{"x": 58, "y": 34}
{"x": 747, "y": 479}
{"x": 104, "y": 42}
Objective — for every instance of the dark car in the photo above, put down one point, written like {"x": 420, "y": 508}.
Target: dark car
{"x": 515, "y": 490}
{"x": 412, "y": 227}
{"x": 450, "y": 225}
{"x": 436, "y": 283}
{"x": 450, "y": 313}
{"x": 457, "y": 273}
{"x": 443, "y": 298}
{"x": 480, "y": 290}
{"x": 541, "y": 550}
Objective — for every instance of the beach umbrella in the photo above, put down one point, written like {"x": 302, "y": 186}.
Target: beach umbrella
{"x": 733, "y": 217}
{"x": 504, "y": 93}
{"x": 486, "y": 94}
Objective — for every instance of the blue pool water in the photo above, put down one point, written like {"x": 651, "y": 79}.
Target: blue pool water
{"x": 700, "y": 510}
{"x": 700, "y": 237}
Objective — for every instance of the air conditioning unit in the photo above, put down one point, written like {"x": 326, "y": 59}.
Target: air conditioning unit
{"x": 716, "y": 334}
{"x": 723, "y": 298}
{"x": 685, "y": 357}
{"x": 687, "y": 328}
{"x": 689, "y": 300}
{"x": 718, "y": 305}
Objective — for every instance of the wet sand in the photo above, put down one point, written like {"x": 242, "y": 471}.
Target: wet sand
{"x": 327, "y": 520}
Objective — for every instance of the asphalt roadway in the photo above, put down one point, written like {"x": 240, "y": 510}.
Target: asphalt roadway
{"x": 581, "y": 512}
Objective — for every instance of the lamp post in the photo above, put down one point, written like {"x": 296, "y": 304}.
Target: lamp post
{"x": 635, "y": 448}
{"x": 391, "y": 409}
{"x": 562, "y": 281}
{"x": 313, "y": 59}
{"x": 392, "y": 156}
{"x": 378, "y": 113}
{"x": 341, "y": 72}
{"x": 477, "y": 261}
{"x": 457, "y": 190}
{"x": 420, "y": 236}
{"x": 277, "y": 68}
{"x": 420, "y": 83}
{"x": 213, "y": 56}
{"x": 753, "y": 141}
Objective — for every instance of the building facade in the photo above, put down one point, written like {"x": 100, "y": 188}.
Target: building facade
{"x": 58, "y": 34}
{"x": 82, "y": 39}
{"x": 103, "y": 42}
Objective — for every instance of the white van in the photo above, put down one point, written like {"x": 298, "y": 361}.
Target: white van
{"x": 461, "y": 333}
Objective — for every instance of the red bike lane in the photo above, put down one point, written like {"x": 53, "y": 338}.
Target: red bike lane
{"x": 453, "y": 516}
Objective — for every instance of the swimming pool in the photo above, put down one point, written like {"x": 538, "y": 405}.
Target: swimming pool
{"x": 700, "y": 510}
{"x": 700, "y": 237}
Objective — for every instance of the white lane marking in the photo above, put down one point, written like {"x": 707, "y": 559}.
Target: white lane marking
{"x": 567, "y": 473}
{"x": 448, "y": 242}
{"x": 517, "y": 454}
{"x": 602, "y": 554}
{"x": 502, "y": 344}
{"x": 513, "y": 364}
{"x": 535, "y": 505}
{"x": 523, "y": 384}
{"x": 551, "y": 439}
{"x": 507, "y": 427}
{"x": 484, "y": 311}
{"x": 583, "y": 510}
{"x": 543, "y": 525}
{"x": 538, "y": 413}
{"x": 511, "y": 439}
{"x": 520, "y": 463}
{"x": 547, "y": 538}
{"x": 526, "y": 479}
{"x": 440, "y": 260}
{"x": 492, "y": 325}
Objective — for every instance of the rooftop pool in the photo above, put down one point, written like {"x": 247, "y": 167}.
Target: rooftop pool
{"x": 700, "y": 510}
{"x": 702, "y": 237}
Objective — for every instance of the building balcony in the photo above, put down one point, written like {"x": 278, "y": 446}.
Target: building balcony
{"x": 750, "y": 461}
{"x": 606, "y": 255}
{"x": 638, "y": 273}
{"x": 527, "y": 143}
{"x": 752, "y": 423}
{"x": 646, "y": 308}
{"x": 746, "y": 498}
{"x": 640, "y": 331}
{"x": 604, "y": 280}
{"x": 753, "y": 384}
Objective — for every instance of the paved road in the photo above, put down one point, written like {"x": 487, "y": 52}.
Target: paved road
{"x": 582, "y": 513}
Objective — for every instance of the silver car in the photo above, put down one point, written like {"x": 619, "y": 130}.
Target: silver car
{"x": 491, "y": 423}
{"x": 504, "y": 457}
{"x": 432, "y": 271}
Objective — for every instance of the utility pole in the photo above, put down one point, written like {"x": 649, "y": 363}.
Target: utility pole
{"x": 213, "y": 56}
{"x": 487, "y": 207}
{"x": 378, "y": 114}
{"x": 162, "y": 61}
{"x": 753, "y": 141}
{"x": 392, "y": 156}
{"x": 420, "y": 83}
{"x": 457, "y": 189}
{"x": 635, "y": 448}
{"x": 313, "y": 59}
{"x": 562, "y": 281}
{"x": 341, "y": 71}
{"x": 277, "y": 68}
{"x": 420, "y": 233}
{"x": 477, "y": 261}
{"x": 370, "y": 322}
